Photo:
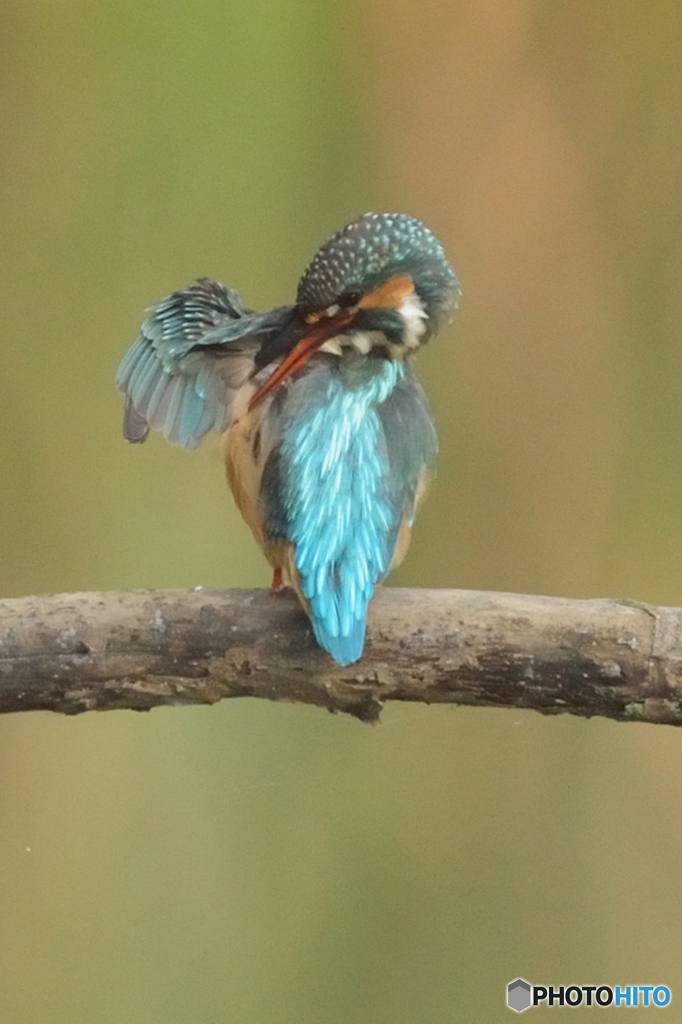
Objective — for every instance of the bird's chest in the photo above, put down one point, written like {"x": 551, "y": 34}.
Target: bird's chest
{"x": 244, "y": 462}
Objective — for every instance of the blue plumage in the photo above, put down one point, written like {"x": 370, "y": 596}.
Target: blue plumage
{"x": 333, "y": 468}
{"x": 193, "y": 354}
{"x": 328, "y": 433}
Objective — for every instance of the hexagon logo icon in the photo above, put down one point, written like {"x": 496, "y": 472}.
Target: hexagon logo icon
{"x": 518, "y": 995}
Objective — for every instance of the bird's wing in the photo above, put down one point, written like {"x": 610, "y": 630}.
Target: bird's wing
{"x": 194, "y": 352}
{"x": 411, "y": 449}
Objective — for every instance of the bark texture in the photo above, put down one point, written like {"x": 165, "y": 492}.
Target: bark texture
{"x": 139, "y": 649}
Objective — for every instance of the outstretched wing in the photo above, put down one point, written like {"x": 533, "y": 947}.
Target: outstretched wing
{"x": 194, "y": 352}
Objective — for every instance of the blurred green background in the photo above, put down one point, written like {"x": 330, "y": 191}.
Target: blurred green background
{"x": 258, "y": 863}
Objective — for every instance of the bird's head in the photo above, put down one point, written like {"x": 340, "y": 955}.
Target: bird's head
{"x": 381, "y": 263}
{"x": 382, "y": 282}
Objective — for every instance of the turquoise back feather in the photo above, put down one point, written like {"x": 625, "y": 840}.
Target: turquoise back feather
{"x": 340, "y": 485}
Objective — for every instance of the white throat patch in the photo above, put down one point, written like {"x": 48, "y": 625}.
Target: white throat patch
{"x": 414, "y": 316}
{"x": 413, "y": 313}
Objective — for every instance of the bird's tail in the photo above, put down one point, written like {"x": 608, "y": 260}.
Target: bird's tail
{"x": 345, "y": 648}
{"x": 338, "y": 612}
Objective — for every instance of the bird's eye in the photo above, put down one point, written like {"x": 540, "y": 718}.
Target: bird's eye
{"x": 349, "y": 298}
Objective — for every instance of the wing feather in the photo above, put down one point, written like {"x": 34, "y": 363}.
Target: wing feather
{"x": 194, "y": 352}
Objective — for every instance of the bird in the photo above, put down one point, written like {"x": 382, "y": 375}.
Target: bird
{"x": 327, "y": 435}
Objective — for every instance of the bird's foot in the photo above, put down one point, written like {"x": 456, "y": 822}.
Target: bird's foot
{"x": 278, "y": 584}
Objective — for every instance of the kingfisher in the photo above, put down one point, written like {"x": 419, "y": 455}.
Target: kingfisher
{"x": 326, "y": 433}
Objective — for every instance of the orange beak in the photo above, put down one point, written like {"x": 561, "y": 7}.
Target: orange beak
{"x": 320, "y": 331}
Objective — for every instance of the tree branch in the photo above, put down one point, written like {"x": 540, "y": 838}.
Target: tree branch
{"x": 81, "y": 652}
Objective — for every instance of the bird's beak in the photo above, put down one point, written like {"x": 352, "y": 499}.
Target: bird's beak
{"x": 315, "y": 335}
{"x": 322, "y": 327}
